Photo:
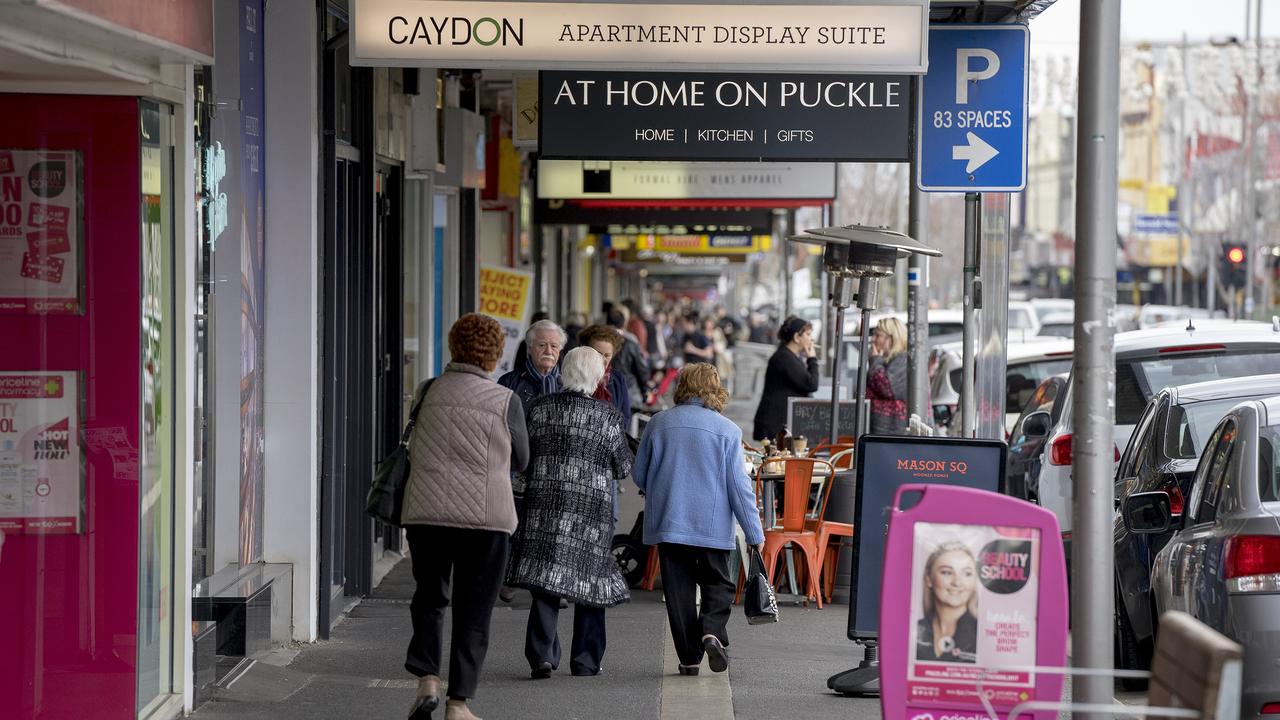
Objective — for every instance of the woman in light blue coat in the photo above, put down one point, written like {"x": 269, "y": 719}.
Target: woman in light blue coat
{"x": 690, "y": 468}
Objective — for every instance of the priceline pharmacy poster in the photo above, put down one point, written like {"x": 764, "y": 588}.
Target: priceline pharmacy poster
{"x": 40, "y": 481}
{"x": 974, "y": 595}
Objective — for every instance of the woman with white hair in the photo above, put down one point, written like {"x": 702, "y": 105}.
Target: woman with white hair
{"x": 562, "y": 547}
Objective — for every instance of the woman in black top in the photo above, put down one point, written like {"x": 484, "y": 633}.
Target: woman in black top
{"x": 792, "y": 372}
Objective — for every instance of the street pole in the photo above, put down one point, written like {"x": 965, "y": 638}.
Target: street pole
{"x": 917, "y": 291}
{"x": 1183, "y": 163}
{"x": 1093, "y": 374}
{"x": 968, "y": 399}
{"x": 1251, "y": 258}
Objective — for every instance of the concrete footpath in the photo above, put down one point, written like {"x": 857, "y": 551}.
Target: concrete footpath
{"x": 775, "y": 671}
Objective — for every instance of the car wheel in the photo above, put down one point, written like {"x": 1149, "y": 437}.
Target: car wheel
{"x": 1129, "y": 652}
{"x": 631, "y": 557}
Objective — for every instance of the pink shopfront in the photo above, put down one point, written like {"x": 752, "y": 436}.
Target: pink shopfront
{"x": 91, "y": 411}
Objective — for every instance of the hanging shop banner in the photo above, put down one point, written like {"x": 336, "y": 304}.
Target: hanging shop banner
{"x": 698, "y": 244}
{"x": 864, "y": 36}
{"x": 524, "y": 113}
{"x": 626, "y": 180}
{"x": 505, "y": 297}
{"x": 40, "y": 482}
{"x": 721, "y": 116}
{"x": 973, "y": 601}
{"x": 40, "y": 232}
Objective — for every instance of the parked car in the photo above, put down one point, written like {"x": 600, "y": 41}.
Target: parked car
{"x": 1222, "y": 565}
{"x": 1052, "y": 306}
{"x": 1161, "y": 457}
{"x": 1147, "y": 361}
{"x": 1023, "y": 317}
{"x": 1058, "y": 324}
{"x": 1026, "y": 364}
{"x": 1029, "y": 434}
{"x": 1151, "y": 315}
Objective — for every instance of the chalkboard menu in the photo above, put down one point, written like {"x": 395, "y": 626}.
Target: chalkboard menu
{"x": 810, "y": 418}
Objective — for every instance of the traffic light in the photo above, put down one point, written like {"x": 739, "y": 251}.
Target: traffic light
{"x": 1232, "y": 265}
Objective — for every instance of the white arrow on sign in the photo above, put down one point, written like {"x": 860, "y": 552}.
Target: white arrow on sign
{"x": 977, "y": 152}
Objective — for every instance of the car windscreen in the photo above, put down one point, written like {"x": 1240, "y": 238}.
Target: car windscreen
{"x": 1189, "y": 427}
{"x": 1149, "y": 377}
{"x": 943, "y": 328}
{"x": 1269, "y": 464}
{"x": 1058, "y": 330}
{"x": 1022, "y": 379}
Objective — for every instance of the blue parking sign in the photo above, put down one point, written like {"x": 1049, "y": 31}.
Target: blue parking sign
{"x": 973, "y": 110}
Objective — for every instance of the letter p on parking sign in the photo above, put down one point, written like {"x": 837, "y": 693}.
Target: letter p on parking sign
{"x": 972, "y": 126}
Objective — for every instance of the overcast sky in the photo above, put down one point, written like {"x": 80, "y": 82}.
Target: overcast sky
{"x": 1057, "y": 28}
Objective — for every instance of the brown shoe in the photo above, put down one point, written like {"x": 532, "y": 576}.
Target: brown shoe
{"x": 458, "y": 710}
{"x": 428, "y": 698}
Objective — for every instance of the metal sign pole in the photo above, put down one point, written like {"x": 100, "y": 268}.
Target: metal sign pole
{"x": 968, "y": 401}
{"x": 917, "y": 286}
{"x": 1092, "y": 556}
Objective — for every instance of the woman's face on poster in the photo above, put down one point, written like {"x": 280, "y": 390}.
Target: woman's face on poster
{"x": 953, "y": 579}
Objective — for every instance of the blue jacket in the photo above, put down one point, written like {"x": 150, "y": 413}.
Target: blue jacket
{"x": 690, "y": 468}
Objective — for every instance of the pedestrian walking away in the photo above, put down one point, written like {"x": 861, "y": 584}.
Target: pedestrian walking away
{"x": 887, "y": 377}
{"x": 690, "y": 467}
{"x": 792, "y": 372}
{"x": 459, "y": 512}
{"x": 562, "y": 548}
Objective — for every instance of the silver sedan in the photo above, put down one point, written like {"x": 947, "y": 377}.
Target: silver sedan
{"x": 1222, "y": 565}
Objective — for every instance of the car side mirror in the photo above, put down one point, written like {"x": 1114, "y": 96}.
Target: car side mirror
{"x": 1147, "y": 513}
{"x": 1036, "y": 425}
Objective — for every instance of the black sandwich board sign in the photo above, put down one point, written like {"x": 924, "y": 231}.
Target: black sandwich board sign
{"x": 886, "y": 463}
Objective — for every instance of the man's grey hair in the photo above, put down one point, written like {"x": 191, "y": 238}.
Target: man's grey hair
{"x": 546, "y": 326}
{"x": 582, "y": 370}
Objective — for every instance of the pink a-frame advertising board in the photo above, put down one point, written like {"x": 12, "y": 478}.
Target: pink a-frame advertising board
{"x": 973, "y": 601}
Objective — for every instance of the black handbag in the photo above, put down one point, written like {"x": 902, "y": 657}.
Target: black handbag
{"x": 758, "y": 600}
{"x": 386, "y": 496}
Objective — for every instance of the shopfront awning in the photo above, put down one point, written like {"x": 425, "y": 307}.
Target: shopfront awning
{"x": 47, "y": 42}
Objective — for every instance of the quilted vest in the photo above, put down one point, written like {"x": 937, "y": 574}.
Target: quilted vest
{"x": 460, "y": 455}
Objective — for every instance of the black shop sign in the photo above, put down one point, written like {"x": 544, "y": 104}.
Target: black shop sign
{"x": 723, "y": 116}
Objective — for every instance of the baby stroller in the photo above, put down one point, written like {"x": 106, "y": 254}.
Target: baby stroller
{"x": 630, "y": 553}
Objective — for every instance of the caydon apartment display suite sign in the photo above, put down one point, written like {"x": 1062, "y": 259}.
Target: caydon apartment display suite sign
{"x": 885, "y": 36}
{"x": 722, "y": 116}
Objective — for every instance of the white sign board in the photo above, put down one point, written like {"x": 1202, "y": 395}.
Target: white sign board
{"x": 863, "y": 36}
{"x": 40, "y": 481}
{"x": 587, "y": 179}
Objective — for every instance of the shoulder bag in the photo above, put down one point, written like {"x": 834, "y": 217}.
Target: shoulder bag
{"x": 386, "y": 496}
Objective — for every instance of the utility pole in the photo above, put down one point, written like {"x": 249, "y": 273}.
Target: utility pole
{"x": 1251, "y": 256}
{"x": 1093, "y": 373}
{"x": 1183, "y": 165}
{"x": 917, "y": 288}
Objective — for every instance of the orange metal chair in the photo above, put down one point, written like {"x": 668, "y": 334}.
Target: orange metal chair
{"x": 826, "y": 451}
{"x": 798, "y": 476}
{"x": 828, "y": 529}
{"x": 652, "y": 569}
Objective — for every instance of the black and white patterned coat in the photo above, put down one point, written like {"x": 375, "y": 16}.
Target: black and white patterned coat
{"x": 563, "y": 544}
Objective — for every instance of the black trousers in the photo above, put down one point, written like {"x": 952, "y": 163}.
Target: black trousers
{"x": 476, "y": 560}
{"x": 684, "y": 569}
{"x": 542, "y": 642}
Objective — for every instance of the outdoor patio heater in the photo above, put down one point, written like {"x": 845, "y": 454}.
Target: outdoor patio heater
{"x": 864, "y": 254}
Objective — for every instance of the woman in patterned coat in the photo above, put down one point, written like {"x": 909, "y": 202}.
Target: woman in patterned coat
{"x": 562, "y": 548}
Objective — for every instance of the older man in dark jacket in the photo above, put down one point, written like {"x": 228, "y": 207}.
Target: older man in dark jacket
{"x": 538, "y": 376}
